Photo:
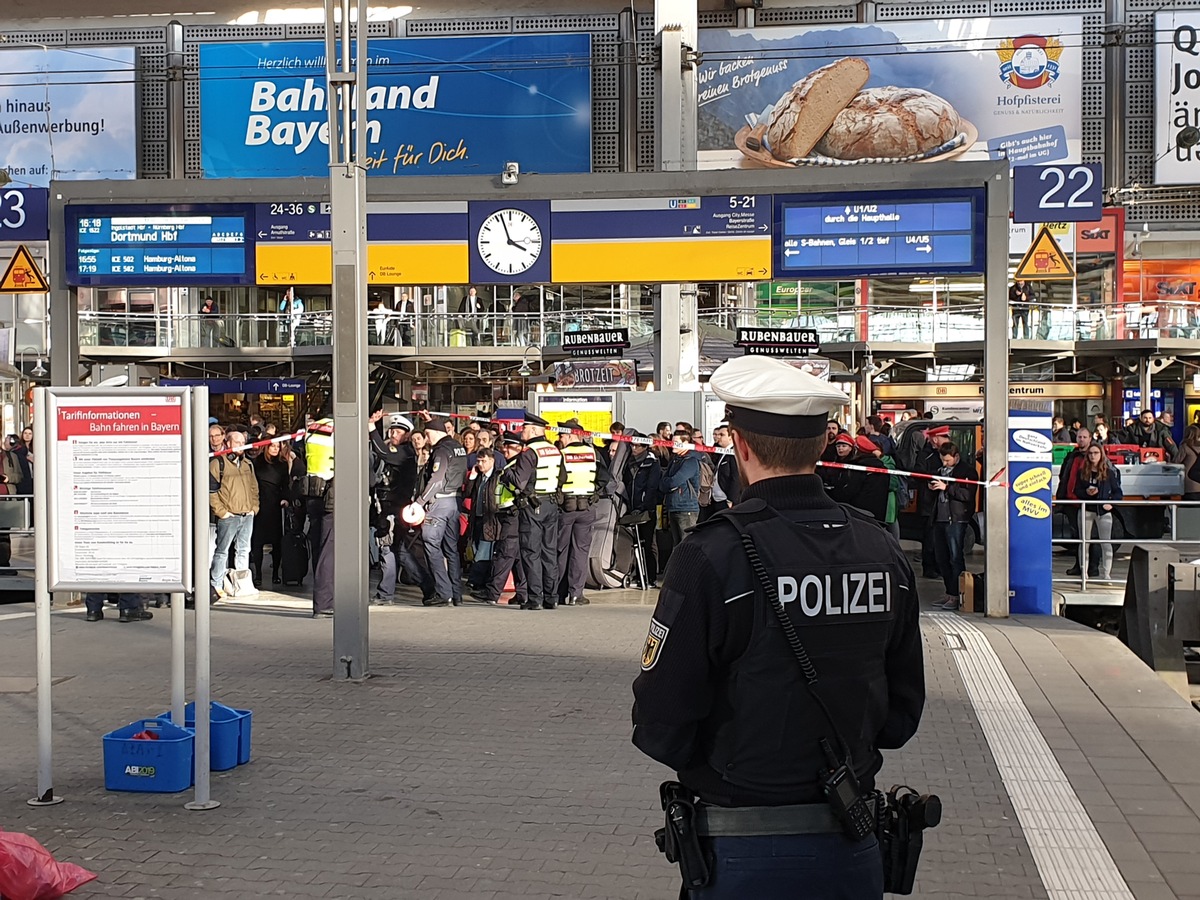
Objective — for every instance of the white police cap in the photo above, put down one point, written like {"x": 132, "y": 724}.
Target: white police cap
{"x": 768, "y": 396}
{"x": 396, "y": 420}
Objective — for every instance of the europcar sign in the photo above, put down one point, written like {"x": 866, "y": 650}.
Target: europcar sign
{"x": 448, "y": 106}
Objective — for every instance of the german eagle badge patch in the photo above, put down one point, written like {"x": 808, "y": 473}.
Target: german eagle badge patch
{"x": 655, "y": 638}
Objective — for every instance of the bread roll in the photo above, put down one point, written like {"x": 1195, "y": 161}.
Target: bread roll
{"x": 806, "y": 111}
{"x": 890, "y": 122}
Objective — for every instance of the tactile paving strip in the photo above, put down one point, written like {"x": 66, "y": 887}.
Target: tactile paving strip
{"x": 1071, "y": 858}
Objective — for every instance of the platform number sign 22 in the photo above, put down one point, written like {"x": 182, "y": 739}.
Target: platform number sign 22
{"x": 1063, "y": 192}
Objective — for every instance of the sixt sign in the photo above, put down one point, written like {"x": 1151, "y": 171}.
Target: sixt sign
{"x": 778, "y": 341}
{"x": 609, "y": 342}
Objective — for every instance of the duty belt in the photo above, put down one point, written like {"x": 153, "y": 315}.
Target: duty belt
{"x": 760, "y": 821}
{"x": 445, "y": 496}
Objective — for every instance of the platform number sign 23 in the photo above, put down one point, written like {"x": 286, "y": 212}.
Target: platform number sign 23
{"x": 1063, "y": 192}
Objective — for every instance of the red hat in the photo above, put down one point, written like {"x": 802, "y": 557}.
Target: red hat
{"x": 938, "y": 431}
{"x": 865, "y": 444}
{"x": 844, "y": 438}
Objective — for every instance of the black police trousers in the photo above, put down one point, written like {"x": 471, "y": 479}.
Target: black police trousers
{"x": 506, "y": 557}
{"x": 539, "y": 551}
{"x": 574, "y": 548}
{"x": 792, "y": 867}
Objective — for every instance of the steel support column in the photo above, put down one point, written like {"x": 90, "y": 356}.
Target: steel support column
{"x": 995, "y": 409}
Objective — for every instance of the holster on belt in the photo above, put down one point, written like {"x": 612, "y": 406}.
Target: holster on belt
{"x": 679, "y": 840}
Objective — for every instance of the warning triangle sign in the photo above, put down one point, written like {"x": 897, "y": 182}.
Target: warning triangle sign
{"x": 23, "y": 275}
{"x": 1045, "y": 261}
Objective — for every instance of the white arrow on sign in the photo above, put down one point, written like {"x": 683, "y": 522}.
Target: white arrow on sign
{"x": 791, "y": 252}
{"x": 764, "y": 227}
{"x": 262, "y": 234}
{"x": 925, "y": 249}
{"x": 274, "y": 385}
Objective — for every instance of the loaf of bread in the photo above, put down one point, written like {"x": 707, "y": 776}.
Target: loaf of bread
{"x": 889, "y": 123}
{"x": 806, "y": 111}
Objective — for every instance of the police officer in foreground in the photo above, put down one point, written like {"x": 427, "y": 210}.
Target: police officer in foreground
{"x": 776, "y": 743}
{"x": 536, "y": 478}
{"x": 439, "y": 532}
{"x": 578, "y": 517}
{"x": 395, "y": 490}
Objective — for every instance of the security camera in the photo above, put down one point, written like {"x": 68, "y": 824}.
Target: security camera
{"x": 1188, "y": 137}
{"x": 511, "y": 173}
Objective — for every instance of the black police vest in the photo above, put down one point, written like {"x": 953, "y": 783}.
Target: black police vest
{"x": 453, "y": 456}
{"x": 840, "y": 583}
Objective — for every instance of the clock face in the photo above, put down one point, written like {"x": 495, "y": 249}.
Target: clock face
{"x": 509, "y": 241}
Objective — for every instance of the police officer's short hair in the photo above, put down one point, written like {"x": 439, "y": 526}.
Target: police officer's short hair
{"x": 783, "y": 453}
{"x": 948, "y": 449}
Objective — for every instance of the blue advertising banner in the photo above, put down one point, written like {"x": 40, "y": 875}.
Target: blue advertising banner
{"x": 1029, "y": 512}
{"x": 68, "y": 114}
{"x": 435, "y": 106}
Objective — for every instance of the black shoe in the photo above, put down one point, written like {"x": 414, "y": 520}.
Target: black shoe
{"x": 581, "y": 601}
{"x": 435, "y": 601}
{"x": 95, "y": 616}
{"x": 549, "y": 605}
{"x": 457, "y": 601}
{"x": 323, "y": 614}
{"x": 275, "y": 579}
{"x": 1074, "y": 570}
{"x": 1092, "y": 574}
{"x": 928, "y": 574}
{"x": 135, "y": 615}
{"x": 531, "y": 604}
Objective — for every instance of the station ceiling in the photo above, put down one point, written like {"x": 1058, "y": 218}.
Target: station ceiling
{"x": 25, "y": 14}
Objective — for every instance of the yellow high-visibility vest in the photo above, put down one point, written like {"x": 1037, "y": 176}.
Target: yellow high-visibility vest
{"x": 549, "y": 464}
{"x": 580, "y": 460}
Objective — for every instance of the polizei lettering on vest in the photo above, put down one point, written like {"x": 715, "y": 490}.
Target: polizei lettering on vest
{"x": 844, "y": 594}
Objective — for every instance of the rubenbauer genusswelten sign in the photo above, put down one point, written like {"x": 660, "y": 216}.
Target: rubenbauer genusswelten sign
{"x": 609, "y": 342}
{"x": 778, "y": 341}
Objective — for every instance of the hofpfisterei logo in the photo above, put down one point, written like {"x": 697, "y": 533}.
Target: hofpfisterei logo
{"x": 1029, "y": 62}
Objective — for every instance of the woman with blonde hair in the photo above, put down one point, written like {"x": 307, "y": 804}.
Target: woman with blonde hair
{"x": 1098, "y": 481}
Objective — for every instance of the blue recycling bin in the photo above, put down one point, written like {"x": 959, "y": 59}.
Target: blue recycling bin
{"x": 161, "y": 766}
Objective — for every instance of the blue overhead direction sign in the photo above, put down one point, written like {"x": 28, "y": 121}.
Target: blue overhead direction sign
{"x": 662, "y": 217}
{"x": 292, "y": 222}
{"x": 240, "y": 386}
{"x": 879, "y": 234}
{"x": 1062, "y": 192}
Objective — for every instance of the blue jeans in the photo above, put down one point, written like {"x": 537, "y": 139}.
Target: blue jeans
{"x": 793, "y": 867}
{"x": 948, "y": 541}
{"x": 236, "y": 531}
{"x": 439, "y": 532}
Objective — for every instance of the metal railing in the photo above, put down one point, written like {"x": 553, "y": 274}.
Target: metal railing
{"x": 1185, "y": 533}
{"x": 164, "y": 332}
{"x": 926, "y": 322}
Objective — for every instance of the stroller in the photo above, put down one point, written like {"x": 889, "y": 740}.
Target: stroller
{"x": 611, "y": 560}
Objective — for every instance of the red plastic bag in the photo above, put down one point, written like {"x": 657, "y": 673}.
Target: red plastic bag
{"x": 29, "y": 872}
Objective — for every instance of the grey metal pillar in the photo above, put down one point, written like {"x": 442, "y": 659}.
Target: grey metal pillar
{"x": 676, "y": 24}
{"x": 348, "y": 197}
{"x": 995, "y": 404}
{"x": 176, "y": 121}
{"x": 64, "y": 316}
{"x": 1144, "y": 384}
{"x": 627, "y": 89}
{"x": 1114, "y": 94}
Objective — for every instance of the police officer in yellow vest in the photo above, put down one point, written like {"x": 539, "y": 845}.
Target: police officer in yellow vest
{"x": 318, "y": 453}
{"x": 506, "y": 549}
{"x": 537, "y": 477}
{"x": 578, "y": 516}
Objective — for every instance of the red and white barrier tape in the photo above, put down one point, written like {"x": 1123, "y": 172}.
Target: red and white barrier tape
{"x": 705, "y": 448}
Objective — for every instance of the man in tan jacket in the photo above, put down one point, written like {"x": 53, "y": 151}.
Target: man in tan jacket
{"x": 233, "y": 496}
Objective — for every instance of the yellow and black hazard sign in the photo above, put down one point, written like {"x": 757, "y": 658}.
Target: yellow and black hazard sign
{"x": 23, "y": 275}
{"x": 1045, "y": 261}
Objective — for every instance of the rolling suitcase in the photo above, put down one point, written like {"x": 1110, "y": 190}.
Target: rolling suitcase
{"x": 294, "y": 565}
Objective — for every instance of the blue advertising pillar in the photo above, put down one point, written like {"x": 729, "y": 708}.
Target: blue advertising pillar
{"x": 1029, "y": 531}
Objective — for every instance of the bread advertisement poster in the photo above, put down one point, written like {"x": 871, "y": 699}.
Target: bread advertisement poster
{"x": 929, "y": 91}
